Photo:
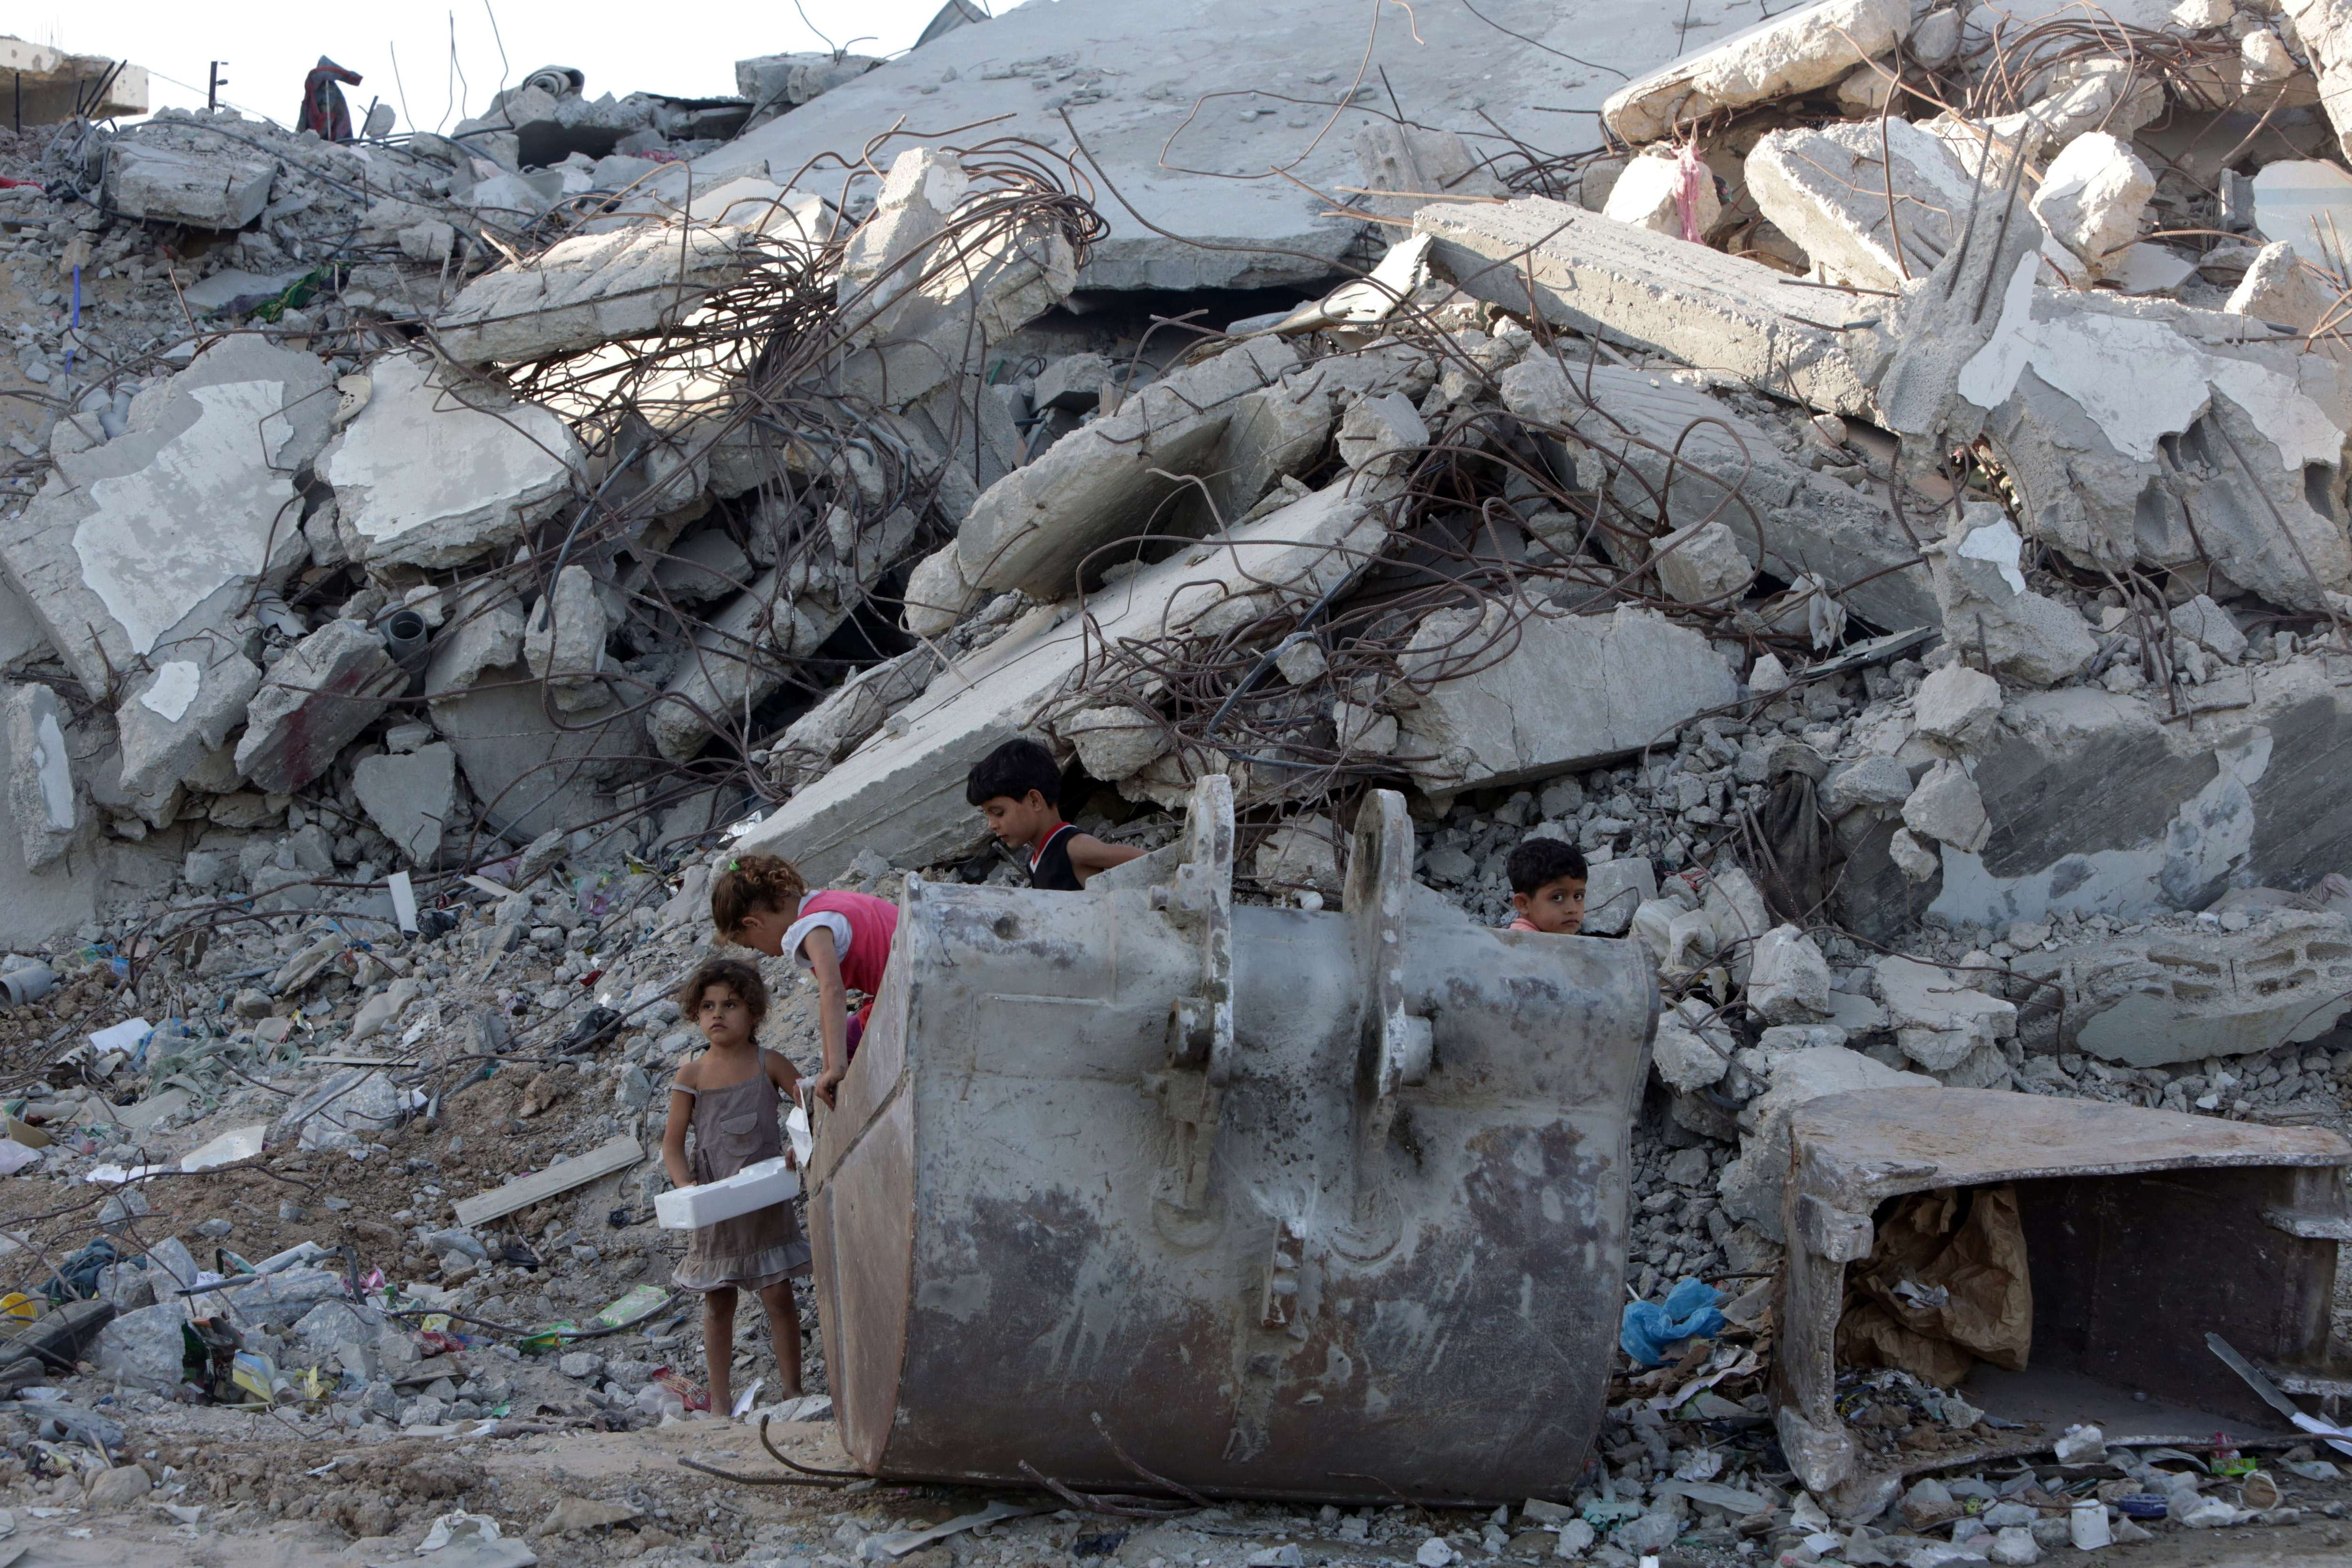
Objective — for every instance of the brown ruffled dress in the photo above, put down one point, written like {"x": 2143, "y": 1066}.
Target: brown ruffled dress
{"x": 732, "y": 1128}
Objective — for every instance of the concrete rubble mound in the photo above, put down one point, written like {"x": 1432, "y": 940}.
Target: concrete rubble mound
{"x": 1872, "y": 480}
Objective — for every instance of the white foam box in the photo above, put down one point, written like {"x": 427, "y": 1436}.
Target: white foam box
{"x": 752, "y": 1187}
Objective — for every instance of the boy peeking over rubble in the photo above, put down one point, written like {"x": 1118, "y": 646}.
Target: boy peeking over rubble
{"x": 729, "y": 1098}
{"x": 1019, "y": 790}
{"x": 1547, "y": 887}
{"x": 842, "y": 938}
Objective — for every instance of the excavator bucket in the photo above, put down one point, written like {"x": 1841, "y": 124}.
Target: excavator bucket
{"x": 1139, "y": 1184}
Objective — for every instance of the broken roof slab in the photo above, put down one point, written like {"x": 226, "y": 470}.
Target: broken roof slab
{"x": 1172, "y": 102}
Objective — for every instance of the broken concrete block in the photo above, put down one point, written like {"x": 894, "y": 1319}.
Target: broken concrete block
{"x": 1653, "y": 437}
{"x": 593, "y": 289}
{"x": 1574, "y": 691}
{"x": 155, "y": 541}
{"x": 1703, "y": 564}
{"x": 40, "y": 773}
{"x": 1595, "y": 276}
{"x": 1684, "y": 1058}
{"x": 1939, "y": 1021}
{"x": 922, "y": 189}
{"x": 1876, "y": 780}
{"x": 710, "y": 566}
{"x": 1301, "y": 853}
{"x": 1751, "y": 1185}
{"x": 1665, "y": 194}
{"x": 1074, "y": 382}
{"x": 1805, "y": 47}
{"x": 2209, "y": 625}
{"x": 433, "y": 473}
{"x": 143, "y": 1347}
{"x": 1916, "y": 860}
{"x": 1988, "y": 609}
{"x": 1788, "y": 978}
{"x": 2093, "y": 198}
{"x": 2168, "y": 995}
{"x": 184, "y": 711}
{"x": 564, "y": 639}
{"x": 901, "y": 795}
{"x": 1826, "y": 189}
{"x": 1420, "y": 163}
{"x": 2278, "y": 289}
{"x": 779, "y": 82}
{"x": 1945, "y": 808}
{"x": 850, "y": 713}
{"x": 530, "y": 774}
{"x": 1614, "y": 890}
{"x": 483, "y": 631}
{"x": 216, "y": 190}
{"x": 1956, "y": 704}
{"x": 1381, "y": 433}
{"x": 314, "y": 702}
{"x": 410, "y": 796}
{"x": 1030, "y": 529}
{"x": 2324, "y": 27}
{"x": 1113, "y": 740}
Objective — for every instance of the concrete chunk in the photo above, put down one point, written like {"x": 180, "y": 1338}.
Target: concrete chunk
{"x": 150, "y": 543}
{"x": 853, "y": 711}
{"x": 183, "y": 712}
{"x": 314, "y": 702}
{"x": 2092, "y": 199}
{"x": 1946, "y": 808}
{"x": 1987, "y": 607}
{"x": 1826, "y": 188}
{"x": 1652, "y": 191}
{"x": 1956, "y": 704}
{"x": 531, "y": 776}
{"x": 564, "y": 639}
{"x": 1576, "y": 691}
{"x": 1788, "y": 978}
{"x": 1418, "y": 163}
{"x": 1614, "y": 890}
{"x": 1593, "y": 275}
{"x": 1802, "y": 48}
{"x": 785, "y": 81}
{"x": 1651, "y": 437}
{"x": 222, "y": 190}
{"x": 40, "y": 773}
{"x": 430, "y": 475}
{"x": 410, "y": 796}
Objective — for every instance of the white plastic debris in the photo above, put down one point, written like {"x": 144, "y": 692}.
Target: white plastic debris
{"x": 237, "y": 1143}
{"x": 752, "y": 1187}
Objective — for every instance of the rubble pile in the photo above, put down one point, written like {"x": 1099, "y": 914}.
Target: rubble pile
{"x": 1884, "y": 501}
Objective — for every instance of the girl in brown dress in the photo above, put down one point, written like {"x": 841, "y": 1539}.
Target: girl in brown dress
{"x": 730, "y": 1096}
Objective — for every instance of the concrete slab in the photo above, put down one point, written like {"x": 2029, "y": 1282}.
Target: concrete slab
{"x": 314, "y": 702}
{"x": 1826, "y": 188}
{"x": 1175, "y": 100}
{"x": 185, "y": 710}
{"x": 155, "y": 539}
{"x": 1633, "y": 286}
{"x": 1574, "y": 691}
{"x": 225, "y": 190}
{"x": 531, "y": 772}
{"x": 901, "y": 795}
{"x": 428, "y": 476}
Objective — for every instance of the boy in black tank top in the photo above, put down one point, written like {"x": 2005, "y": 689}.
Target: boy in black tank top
{"x": 1019, "y": 790}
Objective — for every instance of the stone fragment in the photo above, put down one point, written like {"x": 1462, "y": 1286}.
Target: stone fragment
{"x": 314, "y": 702}
{"x": 120, "y": 1486}
{"x": 1751, "y": 1185}
{"x": 2093, "y": 198}
{"x": 1652, "y": 437}
{"x": 1300, "y": 853}
{"x": 40, "y": 792}
{"x": 1939, "y": 1021}
{"x": 1916, "y": 860}
{"x": 1788, "y": 978}
{"x": 216, "y": 190}
{"x": 2280, "y": 289}
{"x": 143, "y": 1347}
{"x": 1684, "y": 1058}
{"x": 1703, "y": 564}
{"x": 1591, "y": 275}
{"x": 2206, "y": 622}
{"x": 435, "y": 473}
{"x": 1988, "y": 609}
{"x": 1826, "y": 188}
{"x": 483, "y": 631}
{"x": 1956, "y": 704}
{"x": 1574, "y": 691}
{"x": 1805, "y": 47}
{"x": 779, "y": 82}
{"x": 1073, "y": 383}
{"x": 411, "y": 796}
{"x": 186, "y": 709}
{"x": 1875, "y": 781}
{"x": 1614, "y": 890}
{"x": 564, "y": 639}
{"x": 1381, "y": 433}
{"x": 1113, "y": 740}
{"x": 1946, "y": 808}
{"x": 1661, "y": 193}
{"x": 146, "y": 548}
{"x": 2324, "y": 27}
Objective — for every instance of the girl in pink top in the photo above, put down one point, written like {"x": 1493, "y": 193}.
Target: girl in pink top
{"x": 843, "y": 939}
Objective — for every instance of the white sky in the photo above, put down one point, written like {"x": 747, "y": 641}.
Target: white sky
{"x": 687, "y": 49}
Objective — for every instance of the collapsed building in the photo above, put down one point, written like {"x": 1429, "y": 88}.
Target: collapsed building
{"x": 1881, "y": 495}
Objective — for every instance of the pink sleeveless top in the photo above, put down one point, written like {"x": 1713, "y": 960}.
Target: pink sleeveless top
{"x": 872, "y": 924}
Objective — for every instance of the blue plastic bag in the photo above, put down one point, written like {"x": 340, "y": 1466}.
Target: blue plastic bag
{"x": 1650, "y": 1331}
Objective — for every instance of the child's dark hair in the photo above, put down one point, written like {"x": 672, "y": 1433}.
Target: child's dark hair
{"x": 1012, "y": 770}
{"x": 1539, "y": 861}
{"x": 753, "y": 882}
{"x": 733, "y": 974}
